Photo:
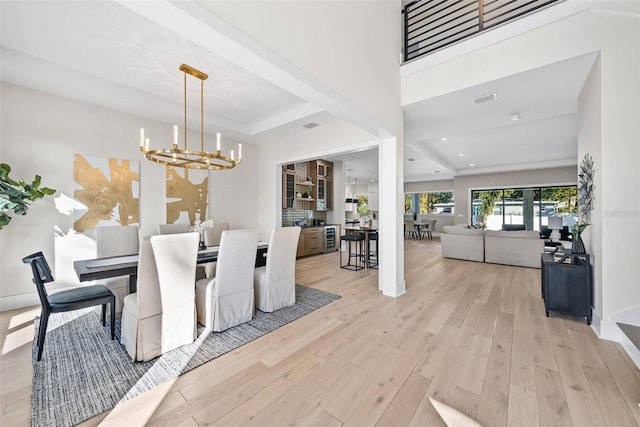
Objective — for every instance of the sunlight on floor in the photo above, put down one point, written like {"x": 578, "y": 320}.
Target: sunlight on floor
{"x": 152, "y": 399}
{"x": 23, "y": 333}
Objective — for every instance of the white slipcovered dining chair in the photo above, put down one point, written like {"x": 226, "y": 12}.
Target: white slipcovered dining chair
{"x": 117, "y": 241}
{"x": 173, "y": 228}
{"x": 227, "y": 300}
{"x": 161, "y": 315}
{"x": 212, "y": 237}
{"x": 177, "y": 228}
{"x": 275, "y": 283}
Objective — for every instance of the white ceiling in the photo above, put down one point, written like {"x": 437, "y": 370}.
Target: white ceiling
{"x": 106, "y": 54}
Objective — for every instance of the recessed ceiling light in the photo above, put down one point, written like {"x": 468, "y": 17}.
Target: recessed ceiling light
{"x": 444, "y": 139}
{"x": 373, "y": 180}
{"x": 310, "y": 125}
{"x": 411, "y": 160}
{"x": 515, "y": 117}
{"x": 461, "y": 155}
{"x": 485, "y": 98}
{"x": 471, "y": 164}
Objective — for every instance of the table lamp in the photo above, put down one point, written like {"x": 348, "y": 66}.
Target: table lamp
{"x": 555, "y": 225}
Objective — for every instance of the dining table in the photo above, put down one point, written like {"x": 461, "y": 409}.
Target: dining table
{"x": 368, "y": 231}
{"x": 127, "y": 265}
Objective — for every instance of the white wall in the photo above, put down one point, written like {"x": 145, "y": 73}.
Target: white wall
{"x": 429, "y": 186}
{"x": 350, "y": 47}
{"x": 614, "y": 34}
{"x": 40, "y": 135}
{"x": 590, "y": 137}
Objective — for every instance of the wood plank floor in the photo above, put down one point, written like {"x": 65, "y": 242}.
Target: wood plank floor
{"x": 472, "y": 335}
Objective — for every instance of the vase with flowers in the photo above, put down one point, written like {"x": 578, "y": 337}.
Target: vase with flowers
{"x": 577, "y": 245}
{"x": 201, "y": 227}
{"x": 363, "y": 209}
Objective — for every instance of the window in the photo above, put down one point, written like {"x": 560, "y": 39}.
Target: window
{"x": 429, "y": 203}
{"x": 529, "y": 207}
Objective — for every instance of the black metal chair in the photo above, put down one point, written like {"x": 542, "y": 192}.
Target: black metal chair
{"x": 69, "y": 300}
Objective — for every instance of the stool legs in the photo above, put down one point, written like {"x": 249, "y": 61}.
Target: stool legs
{"x": 354, "y": 250}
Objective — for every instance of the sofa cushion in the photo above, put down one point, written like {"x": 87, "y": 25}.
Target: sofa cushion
{"x": 462, "y": 243}
{"x": 521, "y": 248}
{"x": 516, "y": 234}
{"x": 463, "y": 231}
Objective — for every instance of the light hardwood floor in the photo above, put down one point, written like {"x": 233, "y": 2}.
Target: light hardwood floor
{"x": 472, "y": 335}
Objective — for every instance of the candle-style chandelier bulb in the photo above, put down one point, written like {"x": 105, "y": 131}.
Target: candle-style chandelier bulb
{"x": 186, "y": 158}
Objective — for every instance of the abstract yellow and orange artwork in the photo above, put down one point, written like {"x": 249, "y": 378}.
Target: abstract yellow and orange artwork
{"x": 187, "y": 192}
{"x": 108, "y": 192}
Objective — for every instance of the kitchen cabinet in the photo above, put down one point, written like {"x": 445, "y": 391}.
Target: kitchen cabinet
{"x": 288, "y": 187}
{"x": 311, "y": 241}
{"x": 323, "y": 174}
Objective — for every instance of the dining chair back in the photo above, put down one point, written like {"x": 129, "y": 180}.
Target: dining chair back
{"x": 160, "y": 316}
{"x": 432, "y": 227}
{"x": 67, "y": 300}
{"x": 409, "y": 228}
{"x": 227, "y": 300}
{"x": 117, "y": 241}
{"x": 173, "y": 228}
{"x": 212, "y": 237}
{"x": 275, "y": 283}
{"x": 201, "y": 272}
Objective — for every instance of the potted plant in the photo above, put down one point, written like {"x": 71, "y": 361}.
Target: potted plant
{"x": 363, "y": 209}
{"x": 16, "y": 195}
{"x": 201, "y": 227}
{"x": 577, "y": 245}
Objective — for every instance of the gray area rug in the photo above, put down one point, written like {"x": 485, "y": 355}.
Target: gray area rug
{"x": 84, "y": 373}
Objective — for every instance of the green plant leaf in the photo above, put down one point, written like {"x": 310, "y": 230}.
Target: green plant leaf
{"x": 5, "y": 205}
{"x": 4, "y": 170}
{"x": 4, "y": 219}
{"x": 15, "y": 195}
{"x": 21, "y": 209}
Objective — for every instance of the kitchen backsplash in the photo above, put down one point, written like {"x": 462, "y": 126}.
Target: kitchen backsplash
{"x": 290, "y": 215}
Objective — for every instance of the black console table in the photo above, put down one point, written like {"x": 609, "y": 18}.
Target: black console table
{"x": 566, "y": 285}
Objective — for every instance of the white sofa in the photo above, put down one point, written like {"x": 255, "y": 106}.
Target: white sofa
{"x": 462, "y": 243}
{"x": 521, "y": 248}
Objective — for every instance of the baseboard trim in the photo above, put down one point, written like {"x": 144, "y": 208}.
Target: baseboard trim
{"x": 13, "y": 302}
{"x": 30, "y": 299}
{"x": 609, "y": 330}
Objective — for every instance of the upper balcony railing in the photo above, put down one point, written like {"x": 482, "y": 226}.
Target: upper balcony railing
{"x": 430, "y": 25}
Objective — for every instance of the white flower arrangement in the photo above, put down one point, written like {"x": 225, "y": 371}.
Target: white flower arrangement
{"x": 201, "y": 226}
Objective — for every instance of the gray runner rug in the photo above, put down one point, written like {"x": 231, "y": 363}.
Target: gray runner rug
{"x": 84, "y": 373}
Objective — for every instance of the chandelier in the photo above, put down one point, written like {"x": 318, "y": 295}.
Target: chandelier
{"x": 186, "y": 158}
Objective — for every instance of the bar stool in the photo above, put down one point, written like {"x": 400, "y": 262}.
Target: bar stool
{"x": 373, "y": 237}
{"x": 357, "y": 240}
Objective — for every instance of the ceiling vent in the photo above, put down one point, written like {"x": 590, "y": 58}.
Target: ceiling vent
{"x": 310, "y": 125}
{"x": 485, "y": 98}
